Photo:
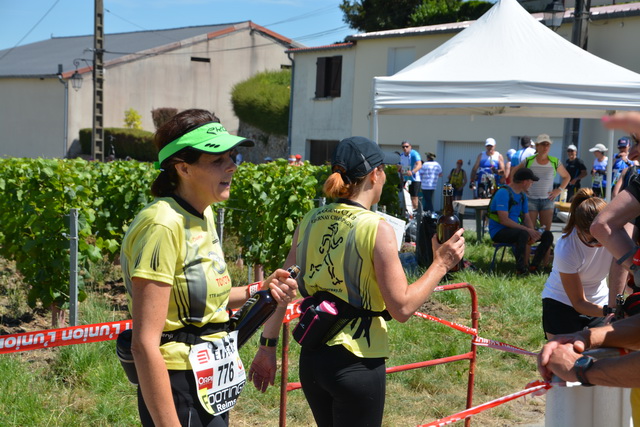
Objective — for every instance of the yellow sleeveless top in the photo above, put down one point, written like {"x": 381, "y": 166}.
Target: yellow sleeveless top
{"x": 168, "y": 244}
{"x": 335, "y": 254}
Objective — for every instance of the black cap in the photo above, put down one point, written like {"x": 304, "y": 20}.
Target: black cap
{"x": 524, "y": 174}
{"x": 359, "y": 156}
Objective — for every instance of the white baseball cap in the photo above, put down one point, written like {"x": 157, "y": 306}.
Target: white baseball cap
{"x": 572, "y": 148}
{"x": 598, "y": 147}
{"x": 489, "y": 141}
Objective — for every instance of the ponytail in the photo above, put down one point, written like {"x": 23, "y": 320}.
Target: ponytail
{"x": 584, "y": 209}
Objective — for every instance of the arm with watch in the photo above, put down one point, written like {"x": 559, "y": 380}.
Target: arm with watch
{"x": 263, "y": 367}
{"x": 563, "y": 356}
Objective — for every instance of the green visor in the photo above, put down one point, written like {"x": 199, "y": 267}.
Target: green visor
{"x": 210, "y": 138}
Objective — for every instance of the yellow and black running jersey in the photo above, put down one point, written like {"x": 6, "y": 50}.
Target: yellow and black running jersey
{"x": 335, "y": 253}
{"x": 168, "y": 244}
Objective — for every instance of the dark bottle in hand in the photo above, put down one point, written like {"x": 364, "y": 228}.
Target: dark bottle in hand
{"x": 255, "y": 311}
{"x": 448, "y": 223}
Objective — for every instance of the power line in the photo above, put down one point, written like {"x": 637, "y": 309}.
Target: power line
{"x": 32, "y": 28}
{"x": 302, "y": 16}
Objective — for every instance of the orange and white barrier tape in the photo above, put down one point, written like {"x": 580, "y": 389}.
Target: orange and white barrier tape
{"x": 62, "y": 336}
{"x": 483, "y": 342}
{"x": 462, "y": 328}
{"x": 535, "y": 387}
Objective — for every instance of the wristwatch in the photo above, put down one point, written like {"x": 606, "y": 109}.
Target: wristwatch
{"x": 268, "y": 342}
{"x": 582, "y": 365}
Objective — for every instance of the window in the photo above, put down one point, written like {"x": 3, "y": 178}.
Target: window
{"x": 320, "y": 151}
{"x": 328, "y": 76}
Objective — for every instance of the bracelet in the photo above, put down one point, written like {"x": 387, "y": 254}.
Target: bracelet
{"x": 253, "y": 288}
{"x": 606, "y": 310}
{"x": 268, "y": 342}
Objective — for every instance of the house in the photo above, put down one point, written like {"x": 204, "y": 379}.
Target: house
{"x": 332, "y": 92}
{"x": 191, "y": 67}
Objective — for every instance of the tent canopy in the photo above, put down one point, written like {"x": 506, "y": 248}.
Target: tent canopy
{"x": 508, "y": 64}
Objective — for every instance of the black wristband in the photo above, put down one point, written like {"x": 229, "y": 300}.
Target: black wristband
{"x": 268, "y": 342}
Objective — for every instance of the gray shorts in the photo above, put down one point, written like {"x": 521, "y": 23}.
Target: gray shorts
{"x": 540, "y": 204}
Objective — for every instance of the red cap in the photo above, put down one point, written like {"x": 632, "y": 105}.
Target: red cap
{"x": 298, "y": 156}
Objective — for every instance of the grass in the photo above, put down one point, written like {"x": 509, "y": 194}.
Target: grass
{"x": 85, "y": 385}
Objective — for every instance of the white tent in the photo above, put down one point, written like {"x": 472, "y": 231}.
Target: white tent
{"x": 509, "y": 64}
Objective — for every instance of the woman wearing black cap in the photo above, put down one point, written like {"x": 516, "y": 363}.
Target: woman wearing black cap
{"x": 351, "y": 254}
{"x": 178, "y": 283}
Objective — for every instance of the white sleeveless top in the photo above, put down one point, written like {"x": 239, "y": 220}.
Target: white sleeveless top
{"x": 546, "y": 173}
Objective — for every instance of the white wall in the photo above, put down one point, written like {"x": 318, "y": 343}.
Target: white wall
{"x": 323, "y": 118}
{"x": 31, "y": 118}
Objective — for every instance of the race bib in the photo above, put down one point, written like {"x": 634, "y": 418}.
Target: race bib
{"x": 219, "y": 373}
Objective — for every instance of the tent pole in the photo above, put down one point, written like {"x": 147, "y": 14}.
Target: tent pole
{"x": 374, "y": 130}
{"x": 609, "y": 167}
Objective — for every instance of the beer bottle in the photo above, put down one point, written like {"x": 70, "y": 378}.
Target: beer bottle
{"x": 448, "y": 223}
{"x": 255, "y": 311}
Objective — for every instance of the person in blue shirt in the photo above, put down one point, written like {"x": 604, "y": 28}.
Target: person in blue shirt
{"x": 409, "y": 168}
{"x": 510, "y": 223}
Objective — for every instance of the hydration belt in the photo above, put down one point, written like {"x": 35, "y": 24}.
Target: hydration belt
{"x": 191, "y": 334}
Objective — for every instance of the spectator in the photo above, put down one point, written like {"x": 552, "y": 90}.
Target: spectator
{"x": 429, "y": 174}
{"x": 458, "y": 179}
{"x": 488, "y": 169}
{"x": 268, "y": 159}
{"x": 563, "y": 356}
{"x": 509, "y": 222}
{"x": 507, "y": 165}
{"x": 178, "y": 282}
{"x": 409, "y": 167}
{"x": 525, "y": 151}
{"x": 344, "y": 379}
{"x": 621, "y": 160}
{"x": 292, "y": 160}
{"x": 576, "y": 169}
{"x": 542, "y": 194}
{"x": 599, "y": 170}
{"x": 299, "y": 161}
{"x": 576, "y": 294}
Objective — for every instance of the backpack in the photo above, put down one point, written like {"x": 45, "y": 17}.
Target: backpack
{"x": 512, "y": 202}
{"x": 554, "y": 161}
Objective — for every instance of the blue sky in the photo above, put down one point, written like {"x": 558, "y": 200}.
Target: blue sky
{"x": 311, "y": 22}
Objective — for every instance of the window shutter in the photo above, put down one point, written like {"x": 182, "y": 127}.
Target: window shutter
{"x": 321, "y": 67}
{"x": 336, "y": 76}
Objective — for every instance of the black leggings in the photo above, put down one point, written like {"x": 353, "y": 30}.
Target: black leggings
{"x": 190, "y": 411}
{"x": 341, "y": 388}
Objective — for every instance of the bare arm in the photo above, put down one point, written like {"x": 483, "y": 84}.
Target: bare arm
{"x": 263, "y": 367}
{"x": 149, "y": 311}
{"x": 474, "y": 169}
{"x": 609, "y": 225}
{"x": 401, "y": 299}
{"x": 534, "y": 234}
{"x": 618, "y": 186}
{"x": 573, "y": 288}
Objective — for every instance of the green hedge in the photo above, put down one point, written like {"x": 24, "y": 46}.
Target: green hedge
{"x": 263, "y": 101}
{"x": 134, "y": 143}
{"x": 267, "y": 202}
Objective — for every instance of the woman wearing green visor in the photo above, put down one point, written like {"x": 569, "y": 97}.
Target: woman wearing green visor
{"x": 178, "y": 283}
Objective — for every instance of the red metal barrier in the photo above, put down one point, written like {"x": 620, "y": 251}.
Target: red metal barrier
{"x": 285, "y": 386}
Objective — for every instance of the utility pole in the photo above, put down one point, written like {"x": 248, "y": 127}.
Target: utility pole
{"x": 97, "y": 136}
{"x": 579, "y": 38}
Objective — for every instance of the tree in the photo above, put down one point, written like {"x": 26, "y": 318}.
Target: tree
{"x": 378, "y": 15}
